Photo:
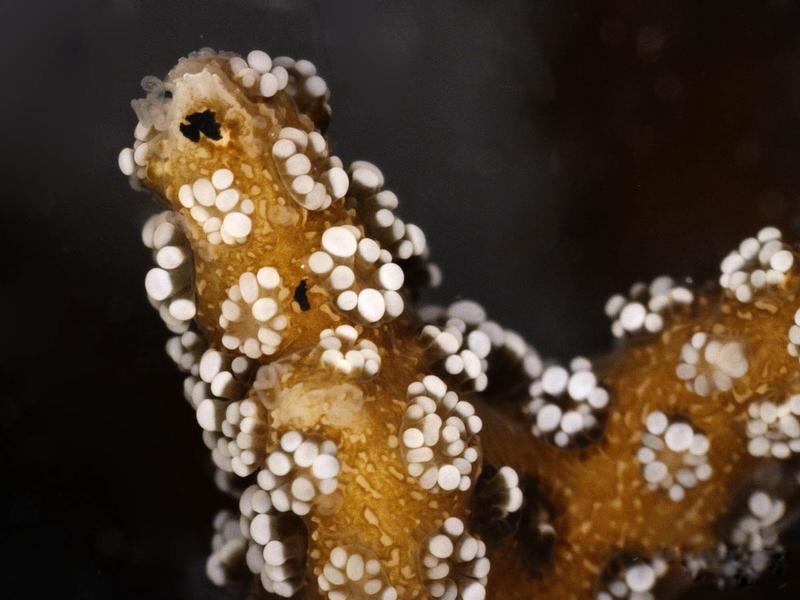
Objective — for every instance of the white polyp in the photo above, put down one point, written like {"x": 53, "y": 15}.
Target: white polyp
{"x": 371, "y": 306}
{"x": 126, "y": 162}
{"x": 339, "y": 242}
{"x": 366, "y": 177}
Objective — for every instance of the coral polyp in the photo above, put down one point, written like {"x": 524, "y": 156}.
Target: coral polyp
{"x": 382, "y": 449}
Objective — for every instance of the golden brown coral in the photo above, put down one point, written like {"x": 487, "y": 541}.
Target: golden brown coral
{"x": 388, "y": 459}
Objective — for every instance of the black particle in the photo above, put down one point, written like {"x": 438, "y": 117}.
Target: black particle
{"x": 202, "y": 122}
{"x": 300, "y": 295}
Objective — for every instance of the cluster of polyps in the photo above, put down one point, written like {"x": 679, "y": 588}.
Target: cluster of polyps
{"x": 152, "y": 114}
{"x": 455, "y": 563}
{"x": 276, "y": 543}
{"x": 234, "y": 427}
{"x": 498, "y": 494}
{"x": 793, "y": 347}
{"x": 245, "y": 429}
{"x": 228, "y": 547}
{"x": 313, "y": 178}
{"x": 643, "y": 310}
{"x": 234, "y": 430}
{"x": 509, "y": 360}
{"x": 360, "y": 275}
{"x": 439, "y": 439}
{"x": 755, "y": 531}
{"x": 565, "y": 404}
{"x": 709, "y": 364}
{"x": 505, "y": 355}
{"x": 227, "y": 376}
{"x": 354, "y": 573}
{"x": 634, "y": 579}
{"x": 774, "y": 429}
{"x": 512, "y": 360}
{"x": 751, "y": 547}
{"x": 759, "y": 262}
{"x": 186, "y": 351}
{"x": 307, "y": 88}
{"x": 300, "y": 472}
{"x": 673, "y": 455}
{"x": 298, "y": 78}
{"x": 218, "y": 208}
{"x": 339, "y": 351}
{"x": 252, "y": 317}
{"x": 460, "y": 359}
{"x": 169, "y": 284}
{"x": 259, "y": 68}
{"x": 376, "y": 209}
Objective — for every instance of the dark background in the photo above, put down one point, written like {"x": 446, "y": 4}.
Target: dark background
{"x": 553, "y": 151}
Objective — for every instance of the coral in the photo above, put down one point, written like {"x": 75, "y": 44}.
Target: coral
{"x": 382, "y": 449}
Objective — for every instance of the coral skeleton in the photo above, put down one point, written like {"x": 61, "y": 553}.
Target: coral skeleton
{"x": 379, "y": 448}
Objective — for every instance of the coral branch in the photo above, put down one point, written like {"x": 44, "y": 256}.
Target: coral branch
{"x": 387, "y": 450}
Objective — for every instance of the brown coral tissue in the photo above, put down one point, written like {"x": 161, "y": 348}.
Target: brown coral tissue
{"x": 373, "y": 446}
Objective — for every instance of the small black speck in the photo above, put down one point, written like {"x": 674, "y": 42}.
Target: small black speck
{"x": 203, "y": 122}
{"x": 300, "y": 295}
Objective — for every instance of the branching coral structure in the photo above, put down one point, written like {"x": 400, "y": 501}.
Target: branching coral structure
{"x": 375, "y": 448}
